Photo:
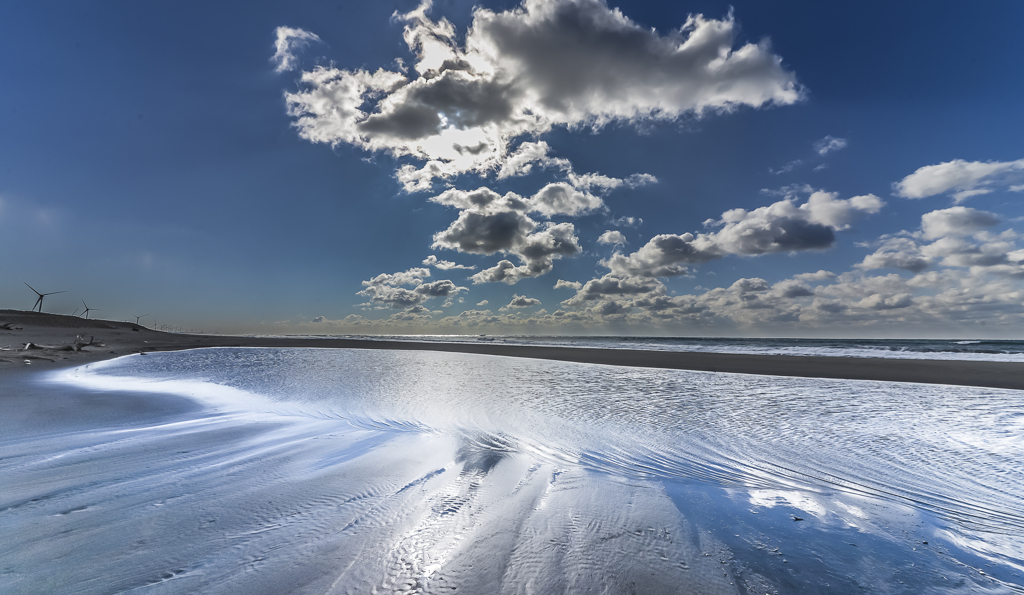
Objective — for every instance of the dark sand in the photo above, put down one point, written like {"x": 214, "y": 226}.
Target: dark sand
{"x": 55, "y": 332}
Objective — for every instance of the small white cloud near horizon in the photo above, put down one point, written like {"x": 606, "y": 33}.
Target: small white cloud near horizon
{"x": 519, "y": 301}
{"x": 966, "y": 178}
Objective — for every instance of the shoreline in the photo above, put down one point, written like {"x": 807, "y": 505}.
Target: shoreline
{"x": 55, "y": 334}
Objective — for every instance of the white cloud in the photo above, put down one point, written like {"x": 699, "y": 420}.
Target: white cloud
{"x": 627, "y": 221}
{"x": 519, "y": 301}
{"x": 546, "y": 63}
{"x": 288, "y": 40}
{"x": 526, "y": 156}
{"x": 482, "y": 303}
{"x": 897, "y": 253}
{"x": 489, "y": 223}
{"x": 612, "y": 237}
{"x": 967, "y": 178}
{"x": 954, "y": 238}
{"x": 563, "y": 284}
{"x": 956, "y": 221}
{"x": 559, "y": 198}
{"x": 780, "y": 227}
{"x": 387, "y": 291}
{"x": 820, "y": 275}
{"x": 829, "y": 144}
{"x": 786, "y": 168}
{"x": 445, "y": 265}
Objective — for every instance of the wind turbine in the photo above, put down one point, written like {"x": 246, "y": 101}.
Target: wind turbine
{"x": 138, "y": 317}
{"x": 39, "y": 302}
{"x": 87, "y": 309}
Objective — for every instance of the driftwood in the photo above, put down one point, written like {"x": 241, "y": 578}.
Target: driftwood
{"x": 79, "y": 343}
{"x": 9, "y": 326}
{"x": 36, "y": 357}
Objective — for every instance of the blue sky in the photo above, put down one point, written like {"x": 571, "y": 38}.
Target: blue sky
{"x": 704, "y": 168}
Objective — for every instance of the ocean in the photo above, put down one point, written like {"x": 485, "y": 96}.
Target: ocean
{"x": 953, "y": 349}
{"x": 368, "y": 471}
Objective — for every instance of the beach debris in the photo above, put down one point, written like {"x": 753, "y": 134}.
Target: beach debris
{"x": 79, "y": 343}
{"x": 28, "y": 358}
{"x": 38, "y": 306}
{"x": 9, "y": 326}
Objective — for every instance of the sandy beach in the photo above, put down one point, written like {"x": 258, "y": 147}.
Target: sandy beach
{"x": 53, "y": 337}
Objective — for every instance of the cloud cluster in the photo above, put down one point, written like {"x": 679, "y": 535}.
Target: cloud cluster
{"x": 960, "y": 273}
{"x": 780, "y": 227}
{"x": 490, "y": 223}
{"x": 387, "y": 291}
{"x": 545, "y": 63}
{"x": 966, "y": 178}
{"x": 957, "y": 237}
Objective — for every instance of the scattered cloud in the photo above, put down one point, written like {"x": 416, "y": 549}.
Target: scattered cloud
{"x": 786, "y": 168}
{"x": 482, "y": 303}
{"x": 445, "y": 265}
{"x": 966, "y": 178}
{"x": 829, "y": 144}
{"x": 563, "y": 284}
{"x": 627, "y": 221}
{"x": 612, "y": 237}
{"x": 288, "y": 41}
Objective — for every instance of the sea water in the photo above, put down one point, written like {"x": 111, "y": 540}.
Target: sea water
{"x": 368, "y": 471}
{"x": 947, "y": 349}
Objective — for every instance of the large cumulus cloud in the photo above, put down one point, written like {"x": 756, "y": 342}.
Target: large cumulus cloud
{"x": 542, "y": 64}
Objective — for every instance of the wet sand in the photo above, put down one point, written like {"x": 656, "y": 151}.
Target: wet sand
{"x": 56, "y": 332}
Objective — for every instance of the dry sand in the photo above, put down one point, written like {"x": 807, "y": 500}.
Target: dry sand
{"x": 56, "y": 335}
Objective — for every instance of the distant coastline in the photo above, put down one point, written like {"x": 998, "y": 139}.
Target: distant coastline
{"x": 53, "y": 338}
